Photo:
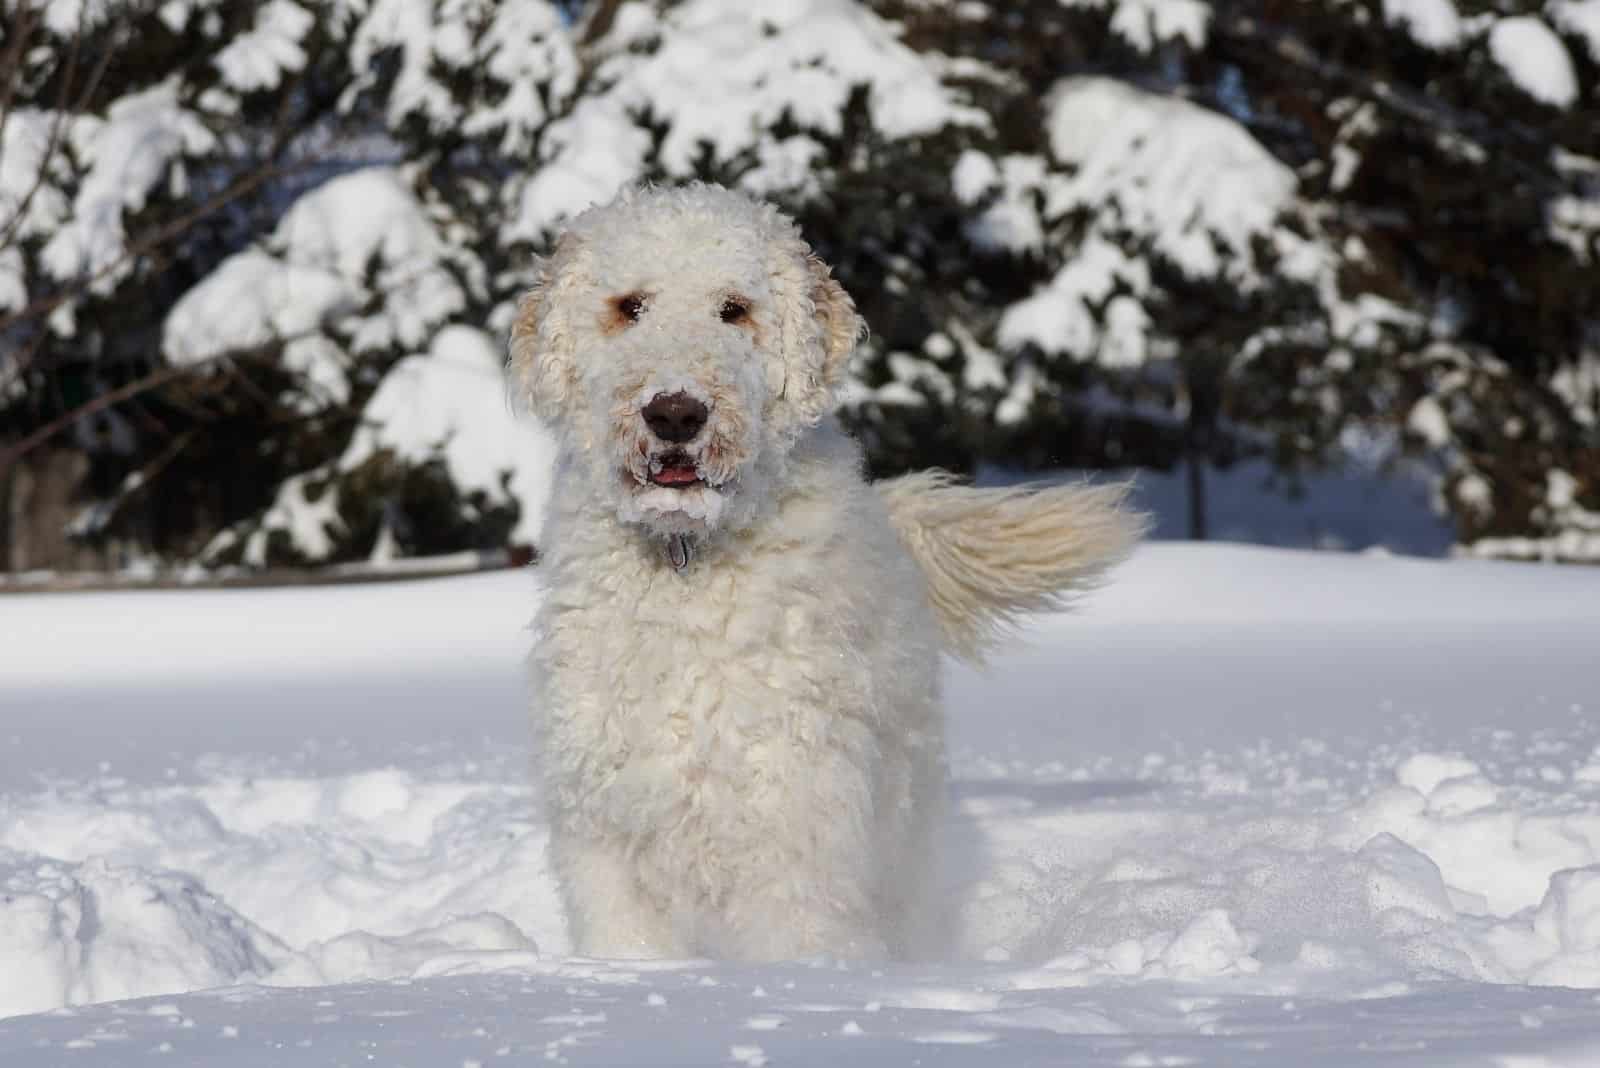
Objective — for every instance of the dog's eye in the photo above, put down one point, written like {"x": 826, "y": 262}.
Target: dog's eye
{"x": 735, "y": 311}
{"x": 630, "y": 307}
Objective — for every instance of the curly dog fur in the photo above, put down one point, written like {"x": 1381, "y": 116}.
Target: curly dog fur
{"x": 736, "y": 665}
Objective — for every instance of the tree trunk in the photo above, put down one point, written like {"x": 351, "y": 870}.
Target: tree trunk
{"x": 1197, "y": 496}
{"x": 41, "y": 499}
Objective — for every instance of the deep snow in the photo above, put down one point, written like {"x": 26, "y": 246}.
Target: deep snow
{"x": 1246, "y": 807}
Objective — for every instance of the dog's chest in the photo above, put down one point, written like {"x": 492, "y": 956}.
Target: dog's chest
{"x": 715, "y": 679}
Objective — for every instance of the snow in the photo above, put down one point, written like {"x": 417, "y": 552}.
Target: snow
{"x": 1144, "y": 24}
{"x": 1578, "y": 384}
{"x": 527, "y": 47}
{"x": 1247, "y": 805}
{"x": 406, "y": 29}
{"x": 1182, "y": 176}
{"x": 1148, "y": 171}
{"x": 973, "y": 175}
{"x": 1581, "y": 18}
{"x": 716, "y": 76}
{"x": 304, "y": 513}
{"x": 1534, "y": 58}
{"x": 1058, "y": 316}
{"x": 65, "y": 18}
{"x": 1577, "y": 537}
{"x": 522, "y": 46}
{"x": 453, "y": 403}
{"x": 345, "y": 225}
{"x": 259, "y": 58}
{"x": 1575, "y": 220}
{"x": 449, "y": 404}
{"x": 128, "y": 153}
{"x": 1434, "y": 24}
{"x": 596, "y": 150}
{"x": 25, "y": 139}
{"x": 1427, "y": 420}
{"x": 252, "y": 299}
{"x": 1012, "y": 221}
{"x": 723, "y": 76}
{"x": 314, "y": 273}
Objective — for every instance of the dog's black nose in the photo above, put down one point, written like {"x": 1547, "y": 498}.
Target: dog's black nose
{"x": 675, "y": 417}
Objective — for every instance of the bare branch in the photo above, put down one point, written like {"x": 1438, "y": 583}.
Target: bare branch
{"x": 16, "y": 451}
{"x": 140, "y": 480}
{"x": 11, "y": 454}
{"x": 599, "y": 22}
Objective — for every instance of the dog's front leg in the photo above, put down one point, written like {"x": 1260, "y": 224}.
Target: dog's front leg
{"x": 796, "y": 916}
{"x": 608, "y": 912}
{"x": 803, "y": 879}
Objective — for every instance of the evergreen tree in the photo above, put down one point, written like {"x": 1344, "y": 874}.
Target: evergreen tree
{"x": 256, "y": 259}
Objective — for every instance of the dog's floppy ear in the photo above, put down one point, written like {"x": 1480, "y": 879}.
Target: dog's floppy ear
{"x": 841, "y": 326}
{"x": 543, "y": 370}
{"x": 820, "y": 329}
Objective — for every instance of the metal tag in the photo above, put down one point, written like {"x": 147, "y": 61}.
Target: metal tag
{"x": 678, "y": 551}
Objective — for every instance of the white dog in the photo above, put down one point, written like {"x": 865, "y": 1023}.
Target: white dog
{"x": 736, "y": 664}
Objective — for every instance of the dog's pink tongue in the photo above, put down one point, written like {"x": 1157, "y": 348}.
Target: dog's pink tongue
{"x": 676, "y": 475}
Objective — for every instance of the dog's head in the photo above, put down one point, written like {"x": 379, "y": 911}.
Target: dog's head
{"x": 679, "y": 341}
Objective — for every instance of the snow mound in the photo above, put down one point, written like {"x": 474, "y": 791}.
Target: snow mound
{"x": 1243, "y": 807}
{"x": 97, "y": 931}
{"x": 137, "y": 892}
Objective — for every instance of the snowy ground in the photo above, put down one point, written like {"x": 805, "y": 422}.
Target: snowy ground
{"x": 1249, "y": 807}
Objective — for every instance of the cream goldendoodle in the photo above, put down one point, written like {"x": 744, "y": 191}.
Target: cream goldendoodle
{"x": 736, "y": 667}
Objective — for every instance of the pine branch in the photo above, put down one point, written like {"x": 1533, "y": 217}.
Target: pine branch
{"x": 153, "y": 240}
{"x": 11, "y": 61}
{"x": 1517, "y": 144}
{"x": 12, "y": 454}
{"x": 57, "y": 123}
{"x": 598, "y": 24}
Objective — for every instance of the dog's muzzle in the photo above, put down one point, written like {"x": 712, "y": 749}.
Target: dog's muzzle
{"x": 675, "y": 419}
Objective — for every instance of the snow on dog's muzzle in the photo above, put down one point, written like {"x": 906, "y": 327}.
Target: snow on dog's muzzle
{"x": 682, "y": 441}
{"x": 675, "y": 469}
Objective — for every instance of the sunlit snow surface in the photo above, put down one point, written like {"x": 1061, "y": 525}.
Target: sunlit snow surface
{"x": 1247, "y": 807}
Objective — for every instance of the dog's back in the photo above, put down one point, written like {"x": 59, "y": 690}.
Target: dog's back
{"x": 992, "y": 555}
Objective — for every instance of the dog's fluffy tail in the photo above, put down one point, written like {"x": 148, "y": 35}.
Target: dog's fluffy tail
{"x": 991, "y": 555}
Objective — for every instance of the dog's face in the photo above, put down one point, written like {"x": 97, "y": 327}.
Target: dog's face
{"x": 679, "y": 342}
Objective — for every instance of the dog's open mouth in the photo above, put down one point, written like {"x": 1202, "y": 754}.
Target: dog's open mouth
{"x": 675, "y": 470}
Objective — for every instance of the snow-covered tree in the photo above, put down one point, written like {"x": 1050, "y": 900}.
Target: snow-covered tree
{"x": 256, "y": 259}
